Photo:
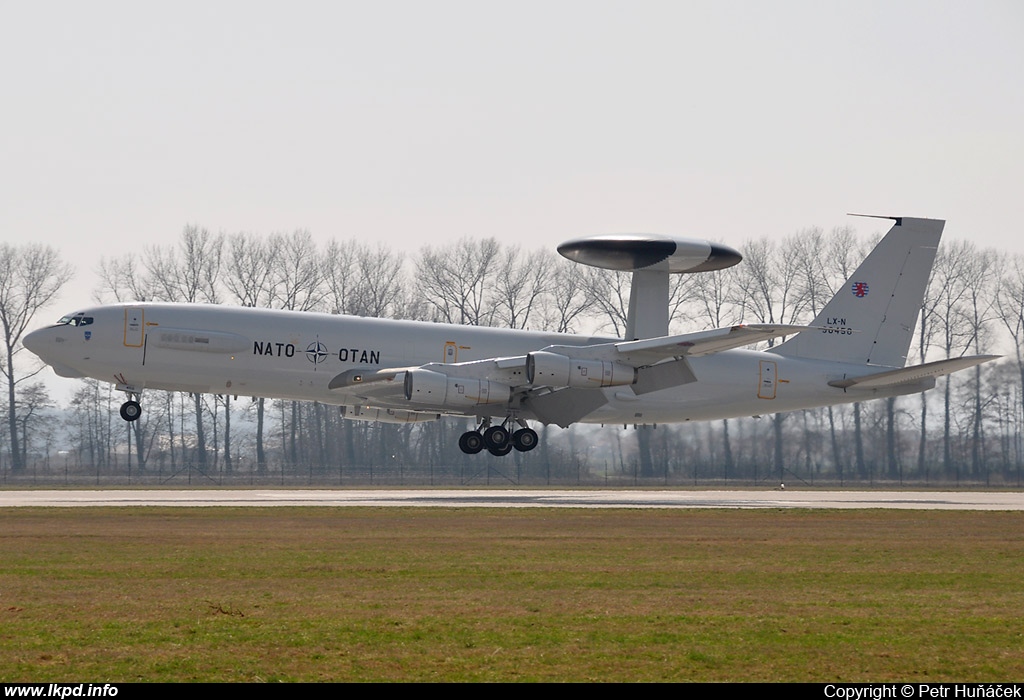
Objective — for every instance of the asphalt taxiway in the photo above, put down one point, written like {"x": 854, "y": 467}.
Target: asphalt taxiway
{"x": 516, "y": 498}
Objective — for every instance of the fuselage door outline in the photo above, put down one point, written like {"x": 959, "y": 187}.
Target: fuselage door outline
{"x": 451, "y": 352}
{"x": 767, "y": 383}
{"x": 134, "y": 327}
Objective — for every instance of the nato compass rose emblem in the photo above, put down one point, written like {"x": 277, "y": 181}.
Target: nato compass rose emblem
{"x": 859, "y": 289}
{"x": 316, "y": 352}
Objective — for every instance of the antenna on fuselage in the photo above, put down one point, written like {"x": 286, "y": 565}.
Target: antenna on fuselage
{"x": 651, "y": 258}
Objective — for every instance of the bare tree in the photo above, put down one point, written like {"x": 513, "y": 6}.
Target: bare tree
{"x": 30, "y": 277}
{"x": 928, "y": 329}
{"x": 982, "y": 271}
{"x": 769, "y": 284}
{"x": 89, "y": 425}
{"x": 339, "y": 272}
{"x": 377, "y": 291}
{"x": 249, "y": 268}
{"x": 122, "y": 280}
{"x": 520, "y": 284}
{"x": 714, "y": 295}
{"x": 298, "y": 276}
{"x": 1010, "y": 302}
{"x": 680, "y": 300}
{"x": 33, "y": 400}
{"x": 567, "y": 299}
{"x": 952, "y": 327}
{"x": 608, "y": 291}
{"x": 190, "y": 272}
{"x": 456, "y": 280}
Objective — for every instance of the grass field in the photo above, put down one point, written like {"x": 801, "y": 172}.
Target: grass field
{"x": 349, "y": 594}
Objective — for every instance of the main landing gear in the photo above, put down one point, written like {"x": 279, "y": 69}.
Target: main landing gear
{"x": 498, "y": 439}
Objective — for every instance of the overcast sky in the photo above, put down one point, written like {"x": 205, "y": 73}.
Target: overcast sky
{"x": 423, "y": 122}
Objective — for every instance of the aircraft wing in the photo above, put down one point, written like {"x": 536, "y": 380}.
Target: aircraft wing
{"x": 649, "y": 351}
{"x": 647, "y": 365}
{"x": 636, "y": 353}
{"x": 911, "y": 374}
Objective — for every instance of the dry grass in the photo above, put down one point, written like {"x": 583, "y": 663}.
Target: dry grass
{"x": 248, "y": 594}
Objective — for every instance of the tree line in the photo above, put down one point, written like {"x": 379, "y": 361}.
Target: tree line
{"x": 969, "y": 429}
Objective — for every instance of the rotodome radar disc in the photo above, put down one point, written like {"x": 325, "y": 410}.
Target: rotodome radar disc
{"x": 649, "y": 251}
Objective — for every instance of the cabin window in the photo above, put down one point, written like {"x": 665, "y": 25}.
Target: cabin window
{"x": 75, "y": 320}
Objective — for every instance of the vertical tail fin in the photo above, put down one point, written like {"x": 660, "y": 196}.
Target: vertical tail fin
{"x": 871, "y": 318}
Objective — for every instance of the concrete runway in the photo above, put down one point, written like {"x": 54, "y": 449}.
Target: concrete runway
{"x": 513, "y": 498}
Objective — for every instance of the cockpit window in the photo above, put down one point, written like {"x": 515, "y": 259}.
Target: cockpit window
{"x": 75, "y": 320}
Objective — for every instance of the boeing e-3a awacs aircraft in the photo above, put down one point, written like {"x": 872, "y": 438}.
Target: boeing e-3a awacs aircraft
{"x": 406, "y": 372}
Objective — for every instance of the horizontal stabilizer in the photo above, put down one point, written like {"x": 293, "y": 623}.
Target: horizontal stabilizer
{"x": 911, "y": 374}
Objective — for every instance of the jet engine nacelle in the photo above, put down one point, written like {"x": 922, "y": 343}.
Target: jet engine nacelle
{"x": 553, "y": 369}
{"x": 435, "y": 389}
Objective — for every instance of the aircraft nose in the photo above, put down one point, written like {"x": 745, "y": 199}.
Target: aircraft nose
{"x": 34, "y": 341}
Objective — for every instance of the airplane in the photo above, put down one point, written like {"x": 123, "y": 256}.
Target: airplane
{"x": 408, "y": 372}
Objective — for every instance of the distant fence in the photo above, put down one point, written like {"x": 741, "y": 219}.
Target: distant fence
{"x": 485, "y": 472}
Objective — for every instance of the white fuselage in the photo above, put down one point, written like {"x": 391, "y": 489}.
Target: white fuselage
{"x": 294, "y": 355}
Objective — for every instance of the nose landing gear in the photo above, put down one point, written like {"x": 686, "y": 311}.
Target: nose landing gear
{"x": 131, "y": 410}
